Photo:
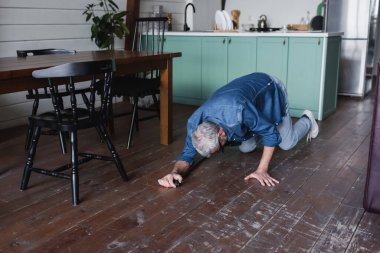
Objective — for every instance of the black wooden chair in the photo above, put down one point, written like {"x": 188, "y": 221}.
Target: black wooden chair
{"x": 38, "y": 94}
{"x": 148, "y": 36}
{"x": 73, "y": 118}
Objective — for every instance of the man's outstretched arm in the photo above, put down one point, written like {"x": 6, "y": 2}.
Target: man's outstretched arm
{"x": 180, "y": 168}
{"x": 261, "y": 173}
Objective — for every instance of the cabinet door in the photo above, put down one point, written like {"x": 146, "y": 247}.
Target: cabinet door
{"x": 272, "y": 56}
{"x": 214, "y": 64}
{"x": 241, "y": 56}
{"x": 332, "y": 59}
{"x": 304, "y": 74}
{"x": 187, "y": 82}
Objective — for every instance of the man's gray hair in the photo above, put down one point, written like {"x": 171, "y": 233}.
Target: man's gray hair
{"x": 205, "y": 138}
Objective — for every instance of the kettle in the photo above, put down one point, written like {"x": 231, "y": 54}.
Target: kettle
{"x": 262, "y": 24}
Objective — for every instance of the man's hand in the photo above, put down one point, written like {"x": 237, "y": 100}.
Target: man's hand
{"x": 180, "y": 167}
{"x": 261, "y": 174}
{"x": 167, "y": 181}
{"x": 263, "y": 177}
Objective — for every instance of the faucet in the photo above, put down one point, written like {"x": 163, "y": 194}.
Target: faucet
{"x": 185, "y": 26}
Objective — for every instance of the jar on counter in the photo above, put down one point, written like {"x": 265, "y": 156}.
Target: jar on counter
{"x": 170, "y": 20}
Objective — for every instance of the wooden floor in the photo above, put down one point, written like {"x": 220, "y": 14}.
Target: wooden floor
{"x": 317, "y": 207}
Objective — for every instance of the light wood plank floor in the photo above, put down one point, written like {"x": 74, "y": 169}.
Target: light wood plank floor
{"x": 317, "y": 207}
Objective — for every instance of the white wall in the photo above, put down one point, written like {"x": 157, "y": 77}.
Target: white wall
{"x": 176, "y": 7}
{"x": 35, "y": 24}
{"x": 278, "y": 12}
{"x": 204, "y": 18}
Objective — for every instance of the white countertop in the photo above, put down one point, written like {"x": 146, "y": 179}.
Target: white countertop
{"x": 257, "y": 34}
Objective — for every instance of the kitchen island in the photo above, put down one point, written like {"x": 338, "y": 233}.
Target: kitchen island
{"x": 307, "y": 63}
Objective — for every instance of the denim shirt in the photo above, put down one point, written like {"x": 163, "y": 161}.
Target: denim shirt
{"x": 252, "y": 104}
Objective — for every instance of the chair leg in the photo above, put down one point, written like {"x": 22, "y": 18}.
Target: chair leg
{"x": 100, "y": 134}
{"x": 74, "y": 168}
{"x": 110, "y": 122}
{"x": 36, "y": 103}
{"x": 85, "y": 100}
{"x": 28, "y": 138}
{"x": 102, "y": 129}
{"x": 136, "y": 114}
{"x": 29, "y": 161}
{"x": 62, "y": 141}
{"x": 30, "y": 127}
{"x": 134, "y": 121}
{"x": 29, "y": 134}
{"x": 156, "y": 105}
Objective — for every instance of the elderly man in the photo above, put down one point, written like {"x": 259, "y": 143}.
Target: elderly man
{"x": 248, "y": 110}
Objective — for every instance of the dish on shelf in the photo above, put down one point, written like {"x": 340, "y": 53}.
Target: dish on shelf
{"x": 230, "y": 25}
{"x": 220, "y": 21}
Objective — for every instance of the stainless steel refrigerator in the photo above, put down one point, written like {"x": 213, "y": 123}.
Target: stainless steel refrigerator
{"x": 358, "y": 20}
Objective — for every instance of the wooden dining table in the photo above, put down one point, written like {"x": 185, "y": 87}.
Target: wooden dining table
{"x": 16, "y": 74}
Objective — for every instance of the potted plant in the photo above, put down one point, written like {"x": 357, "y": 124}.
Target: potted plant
{"x": 105, "y": 27}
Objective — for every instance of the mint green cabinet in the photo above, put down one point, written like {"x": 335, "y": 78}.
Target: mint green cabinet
{"x": 331, "y": 74}
{"x": 224, "y": 59}
{"x": 214, "y": 64}
{"x": 304, "y": 74}
{"x": 207, "y": 63}
{"x": 312, "y": 83}
{"x": 241, "y": 56}
{"x": 308, "y": 66}
{"x": 272, "y": 56}
{"x": 187, "y": 70}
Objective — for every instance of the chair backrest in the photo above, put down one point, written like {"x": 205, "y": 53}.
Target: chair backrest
{"x": 92, "y": 70}
{"x": 34, "y": 93}
{"x": 31, "y": 52}
{"x": 149, "y": 34}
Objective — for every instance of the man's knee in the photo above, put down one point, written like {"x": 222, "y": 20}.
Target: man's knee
{"x": 286, "y": 146}
{"x": 246, "y": 149}
{"x": 248, "y": 145}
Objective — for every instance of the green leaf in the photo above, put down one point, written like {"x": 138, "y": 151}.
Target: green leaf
{"x": 88, "y": 17}
{"x": 113, "y": 4}
{"x": 120, "y": 14}
{"x": 107, "y": 26}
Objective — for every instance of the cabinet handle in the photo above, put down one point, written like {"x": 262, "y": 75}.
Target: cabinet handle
{"x": 224, "y": 41}
{"x": 283, "y": 43}
{"x": 319, "y": 42}
{"x": 229, "y": 41}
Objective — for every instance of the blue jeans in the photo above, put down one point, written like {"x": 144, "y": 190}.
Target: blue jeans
{"x": 290, "y": 134}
